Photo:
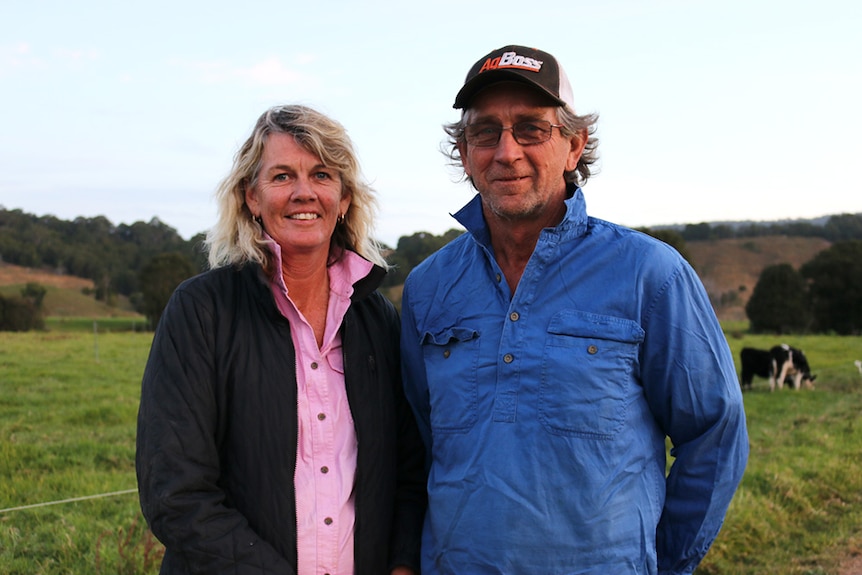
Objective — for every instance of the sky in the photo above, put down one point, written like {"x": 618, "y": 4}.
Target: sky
{"x": 708, "y": 111}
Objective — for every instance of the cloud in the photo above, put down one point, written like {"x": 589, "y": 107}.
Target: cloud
{"x": 77, "y": 55}
{"x": 23, "y": 57}
{"x": 271, "y": 72}
{"x": 17, "y": 57}
{"x": 267, "y": 72}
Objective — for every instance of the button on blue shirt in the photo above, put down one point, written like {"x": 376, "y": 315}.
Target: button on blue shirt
{"x": 545, "y": 412}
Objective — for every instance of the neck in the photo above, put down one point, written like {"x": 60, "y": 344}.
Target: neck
{"x": 513, "y": 250}
{"x": 514, "y": 242}
{"x": 307, "y": 281}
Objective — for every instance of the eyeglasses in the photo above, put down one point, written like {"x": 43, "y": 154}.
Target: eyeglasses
{"x": 487, "y": 135}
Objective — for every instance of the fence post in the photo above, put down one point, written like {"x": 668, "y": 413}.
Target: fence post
{"x": 96, "y": 339}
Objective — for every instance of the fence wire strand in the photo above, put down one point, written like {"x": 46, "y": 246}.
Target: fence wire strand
{"x": 70, "y": 500}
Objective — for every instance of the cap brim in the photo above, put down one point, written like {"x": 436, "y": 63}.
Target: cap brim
{"x": 478, "y": 83}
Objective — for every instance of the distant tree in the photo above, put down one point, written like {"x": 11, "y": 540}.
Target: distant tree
{"x": 199, "y": 252}
{"x": 778, "y": 303}
{"x": 844, "y": 227}
{"x": 722, "y": 232}
{"x": 19, "y": 314}
{"x": 412, "y": 250}
{"x": 835, "y": 275}
{"x": 35, "y": 293}
{"x": 125, "y": 282}
{"x": 803, "y": 229}
{"x": 160, "y": 276}
{"x": 694, "y": 232}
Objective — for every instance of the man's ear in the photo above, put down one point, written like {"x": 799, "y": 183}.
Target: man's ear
{"x": 462, "y": 152}
{"x": 578, "y": 142}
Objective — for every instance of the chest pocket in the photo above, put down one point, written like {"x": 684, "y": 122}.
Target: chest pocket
{"x": 451, "y": 359}
{"x": 587, "y": 374}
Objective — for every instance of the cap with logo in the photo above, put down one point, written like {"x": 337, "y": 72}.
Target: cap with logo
{"x": 517, "y": 64}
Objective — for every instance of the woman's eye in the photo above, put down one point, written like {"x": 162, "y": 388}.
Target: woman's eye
{"x": 280, "y": 177}
{"x": 323, "y": 176}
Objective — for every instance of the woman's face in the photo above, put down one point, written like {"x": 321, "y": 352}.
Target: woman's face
{"x": 298, "y": 198}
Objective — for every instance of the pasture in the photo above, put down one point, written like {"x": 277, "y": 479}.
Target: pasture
{"x": 68, "y": 401}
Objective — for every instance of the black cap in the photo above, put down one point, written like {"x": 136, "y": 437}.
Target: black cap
{"x": 519, "y": 64}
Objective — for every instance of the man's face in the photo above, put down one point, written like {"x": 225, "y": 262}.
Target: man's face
{"x": 519, "y": 182}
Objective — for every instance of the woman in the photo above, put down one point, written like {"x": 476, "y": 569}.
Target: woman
{"x": 273, "y": 434}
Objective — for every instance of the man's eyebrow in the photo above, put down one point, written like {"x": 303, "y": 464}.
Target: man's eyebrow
{"x": 490, "y": 119}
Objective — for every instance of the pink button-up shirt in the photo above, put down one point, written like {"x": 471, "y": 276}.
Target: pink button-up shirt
{"x": 326, "y": 454}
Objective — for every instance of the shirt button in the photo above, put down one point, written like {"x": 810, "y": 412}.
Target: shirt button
{"x": 313, "y": 365}
{"x": 446, "y": 353}
{"x": 321, "y": 416}
{"x": 508, "y": 358}
{"x": 499, "y": 278}
{"x": 324, "y": 469}
{"x": 592, "y": 350}
{"x": 514, "y": 316}
{"x": 328, "y": 520}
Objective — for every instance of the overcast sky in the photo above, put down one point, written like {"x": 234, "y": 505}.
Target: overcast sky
{"x": 708, "y": 111}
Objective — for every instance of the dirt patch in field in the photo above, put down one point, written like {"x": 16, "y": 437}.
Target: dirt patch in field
{"x": 12, "y": 275}
{"x": 851, "y": 562}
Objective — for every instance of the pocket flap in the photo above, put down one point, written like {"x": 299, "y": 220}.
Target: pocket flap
{"x": 443, "y": 337}
{"x": 585, "y": 324}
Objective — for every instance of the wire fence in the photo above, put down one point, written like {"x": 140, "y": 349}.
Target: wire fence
{"x": 70, "y": 500}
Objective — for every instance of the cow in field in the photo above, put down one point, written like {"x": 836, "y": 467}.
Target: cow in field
{"x": 776, "y": 364}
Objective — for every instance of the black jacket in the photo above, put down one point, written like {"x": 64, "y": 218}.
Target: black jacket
{"x": 217, "y": 431}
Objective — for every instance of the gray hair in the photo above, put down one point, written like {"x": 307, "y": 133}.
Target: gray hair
{"x": 237, "y": 239}
{"x": 572, "y": 124}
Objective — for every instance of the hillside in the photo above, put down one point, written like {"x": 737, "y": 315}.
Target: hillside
{"x": 730, "y": 268}
{"x": 67, "y": 296}
{"x": 17, "y": 275}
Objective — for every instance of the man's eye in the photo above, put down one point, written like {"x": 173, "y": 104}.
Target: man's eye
{"x": 529, "y": 128}
{"x": 280, "y": 177}
{"x": 486, "y": 130}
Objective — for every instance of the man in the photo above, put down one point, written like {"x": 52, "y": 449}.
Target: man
{"x": 548, "y": 355}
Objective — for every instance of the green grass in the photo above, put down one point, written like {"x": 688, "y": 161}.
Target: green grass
{"x": 799, "y": 507}
{"x": 68, "y": 402}
{"x": 96, "y": 325}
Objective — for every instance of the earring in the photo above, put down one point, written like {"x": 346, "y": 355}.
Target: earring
{"x": 341, "y": 218}
{"x": 259, "y": 220}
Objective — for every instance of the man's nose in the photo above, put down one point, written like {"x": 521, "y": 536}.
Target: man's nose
{"x": 507, "y": 147}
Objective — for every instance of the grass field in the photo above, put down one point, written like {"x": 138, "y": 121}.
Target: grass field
{"x": 68, "y": 401}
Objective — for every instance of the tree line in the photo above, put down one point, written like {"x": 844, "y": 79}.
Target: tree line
{"x": 823, "y": 296}
{"x": 144, "y": 261}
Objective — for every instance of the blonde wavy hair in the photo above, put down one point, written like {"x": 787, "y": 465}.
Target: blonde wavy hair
{"x": 237, "y": 238}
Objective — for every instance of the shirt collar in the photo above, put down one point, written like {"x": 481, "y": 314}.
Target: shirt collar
{"x": 574, "y": 222}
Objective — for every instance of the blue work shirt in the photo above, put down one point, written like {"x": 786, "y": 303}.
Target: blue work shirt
{"x": 545, "y": 412}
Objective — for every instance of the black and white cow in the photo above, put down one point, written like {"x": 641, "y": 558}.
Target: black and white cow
{"x": 777, "y": 364}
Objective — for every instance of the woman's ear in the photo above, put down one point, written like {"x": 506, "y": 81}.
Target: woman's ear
{"x": 251, "y": 201}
